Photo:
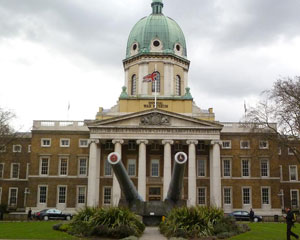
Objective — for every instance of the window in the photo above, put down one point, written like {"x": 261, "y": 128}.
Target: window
{"x": 42, "y": 194}
{"x": 290, "y": 151}
{"x": 107, "y": 168}
{"x": 107, "y": 195}
{"x": 109, "y": 145}
{"x": 155, "y": 146}
{"x": 46, "y": 142}
{"x": 226, "y": 144}
{"x": 246, "y": 196}
{"x": 82, "y": 163}
{"x": 29, "y": 148}
{"x": 245, "y": 144}
{"x": 293, "y": 173}
{"x": 133, "y": 85}
{"x": 201, "y": 146}
{"x": 62, "y": 194}
{"x": 1, "y": 170}
{"x": 64, "y": 142}
{"x": 227, "y": 195}
{"x": 2, "y": 148}
{"x": 201, "y": 196}
{"x": 83, "y": 143}
{"x": 178, "y": 85}
{"x": 265, "y": 195}
{"x": 15, "y": 167}
{"x": 279, "y": 150}
{"x": 131, "y": 167}
{"x": 131, "y": 145}
{"x": 17, "y": 148}
{"x": 294, "y": 198}
{"x": 201, "y": 168}
{"x": 154, "y": 168}
{"x": 226, "y": 168}
{"x": 263, "y": 144}
{"x": 245, "y": 168}
{"x": 178, "y": 146}
{"x": 81, "y": 194}
{"x": 13, "y": 196}
{"x": 157, "y": 84}
{"x": 0, "y": 195}
{"x": 63, "y": 166}
{"x": 264, "y": 167}
{"x": 44, "y": 166}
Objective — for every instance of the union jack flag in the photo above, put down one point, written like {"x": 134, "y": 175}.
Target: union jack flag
{"x": 151, "y": 77}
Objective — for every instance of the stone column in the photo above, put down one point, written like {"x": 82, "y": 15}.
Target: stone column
{"x": 116, "y": 186}
{"x": 215, "y": 175}
{"x": 94, "y": 173}
{"x": 167, "y": 165}
{"x": 192, "y": 173}
{"x": 142, "y": 168}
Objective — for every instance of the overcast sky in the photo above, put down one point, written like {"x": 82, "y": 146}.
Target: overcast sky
{"x": 57, "y": 51}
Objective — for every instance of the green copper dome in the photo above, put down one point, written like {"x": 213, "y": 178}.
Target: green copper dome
{"x": 156, "y": 33}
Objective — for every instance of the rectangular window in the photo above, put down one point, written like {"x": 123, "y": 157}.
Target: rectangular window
{"x": 107, "y": 168}
{"x": 46, "y": 142}
{"x": 107, "y": 195}
{"x": 15, "y": 167}
{"x": 263, "y": 144}
{"x": 109, "y": 145}
{"x": 44, "y": 166}
{"x": 13, "y": 196}
{"x": 82, "y": 163}
{"x": 64, "y": 142}
{"x": 0, "y": 195}
{"x": 290, "y": 151}
{"x": 265, "y": 195}
{"x": 63, "y": 166}
{"x": 201, "y": 196}
{"x": 245, "y": 144}
{"x": 62, "y": 194}
{"x": 17, "y": 148}
{"x": 245, "y": 168}
{"x": 201, "y": 168}
{"x": 2, "y": 148}
{"x": 154, "y": 168}
{"x": 131, "y": 167}
{"x": 201, "y": 146}
{"x": 131, "y": 145}
{"x": 294, "y": 198}
{"x": 29, "y": 148}
{"x": 81, "y": 195}
{"x": 226, "y": 144}
{"x": 279, "y": 150}
{"x": 155, "y": 146}
{"x": 226, "y": 168}
{"x": 83, "y": 143}
{"x": 1, "y": 170}
{"x": 227, "y": 195}
{"x": 264, "y": 167}
{"x": 42, "y": 194}
{"x": 246, "y": 196}
{"x": 293, "y": 173}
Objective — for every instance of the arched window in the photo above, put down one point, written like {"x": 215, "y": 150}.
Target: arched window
{"x": 178, "y": 85}
{"x": 133, "y": 85}
{"x": 157, "y": 84}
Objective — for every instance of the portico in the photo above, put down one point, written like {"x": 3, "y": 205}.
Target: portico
{"x": 163, "y": 128}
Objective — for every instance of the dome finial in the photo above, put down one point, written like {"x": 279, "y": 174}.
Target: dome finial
{"x": 157, "y": 6}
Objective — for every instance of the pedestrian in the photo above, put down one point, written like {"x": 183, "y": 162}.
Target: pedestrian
{"x": 290, "y": 222}
{"x": 251, "y": 215}
{"x": 29, "y": 214}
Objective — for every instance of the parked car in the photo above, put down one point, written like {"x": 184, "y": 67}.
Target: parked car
{"x": 48, "y": 214}
{"x": 244, "y": 216}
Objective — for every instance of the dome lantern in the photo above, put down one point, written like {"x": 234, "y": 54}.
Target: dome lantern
{"x": 157, "y": 6}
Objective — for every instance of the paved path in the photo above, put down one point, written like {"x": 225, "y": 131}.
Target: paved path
{"x": 152, "y": 233}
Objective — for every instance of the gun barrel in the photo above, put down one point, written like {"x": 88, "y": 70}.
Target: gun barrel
{"x": 175, "y": 187}
{"x": 125, "y": 182}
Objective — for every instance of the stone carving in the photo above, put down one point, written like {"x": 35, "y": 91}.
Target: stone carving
{"x": 155, "y": 119}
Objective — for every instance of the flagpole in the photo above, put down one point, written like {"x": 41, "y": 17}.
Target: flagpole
{"x": 155, "y": 86}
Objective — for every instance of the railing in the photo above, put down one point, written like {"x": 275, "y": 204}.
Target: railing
{"x": 248, "y": 125}
{"x": 58, "y": 124}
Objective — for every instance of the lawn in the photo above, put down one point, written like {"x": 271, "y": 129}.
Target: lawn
{"x": 31, "y": 230}
{"x": 266, "y": 231}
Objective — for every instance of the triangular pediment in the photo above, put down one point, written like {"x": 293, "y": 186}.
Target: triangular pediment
{"x": 155, "y": 118}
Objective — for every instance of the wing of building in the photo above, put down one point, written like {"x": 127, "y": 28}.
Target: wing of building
{"x": 63, "y": 164}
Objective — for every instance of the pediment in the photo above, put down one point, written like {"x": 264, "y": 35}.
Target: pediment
{"x": 155, "y": 118}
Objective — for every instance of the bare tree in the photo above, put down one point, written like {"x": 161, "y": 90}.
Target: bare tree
{"x": 7, "y": 132}
{"x": 280, "y": 105}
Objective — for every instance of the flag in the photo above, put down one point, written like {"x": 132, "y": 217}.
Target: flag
{"x": 245, "y": 107}
{"x": 151, "y": 77}
{"x": 68, "y": 106}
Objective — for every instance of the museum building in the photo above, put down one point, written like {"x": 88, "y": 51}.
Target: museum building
{"x": 63, "y": 164}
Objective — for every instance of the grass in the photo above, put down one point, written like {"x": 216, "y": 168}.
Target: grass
{"x": 31, "y": 230}
{"x": 266, "y": 231}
